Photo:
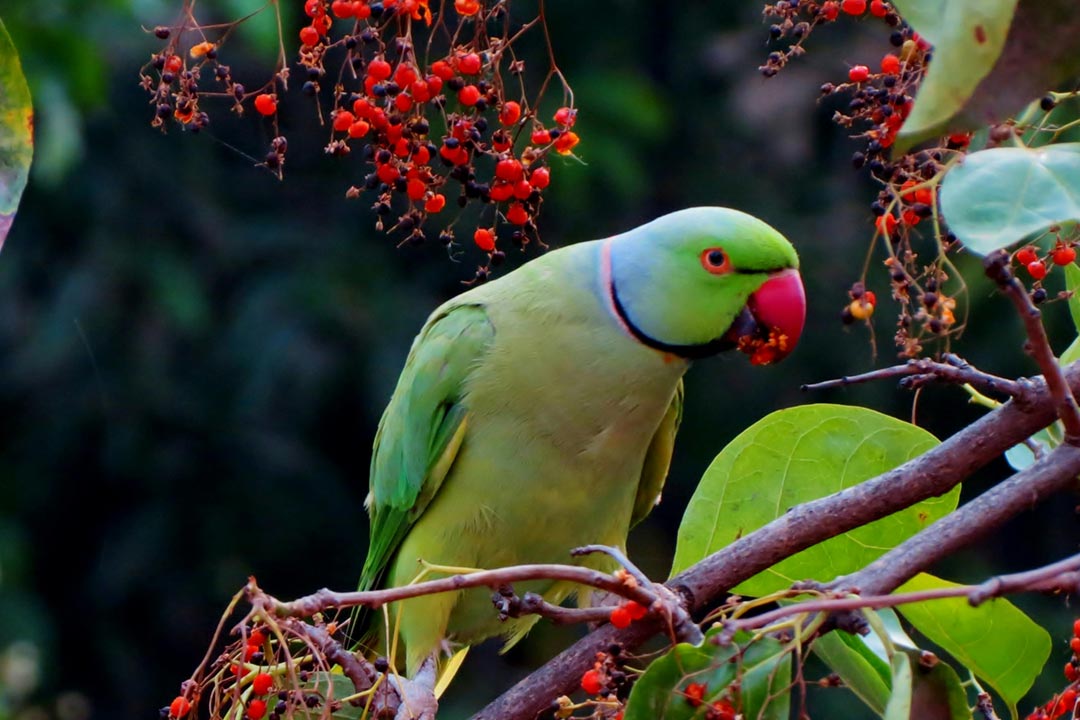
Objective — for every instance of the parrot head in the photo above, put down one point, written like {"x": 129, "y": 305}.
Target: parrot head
{"x": 704, "y": 280}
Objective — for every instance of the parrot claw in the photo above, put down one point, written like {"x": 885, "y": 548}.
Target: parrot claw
{"x": 418, "y": 700}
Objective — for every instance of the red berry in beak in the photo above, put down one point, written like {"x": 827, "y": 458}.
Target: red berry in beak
{"x": 779, "y": 308}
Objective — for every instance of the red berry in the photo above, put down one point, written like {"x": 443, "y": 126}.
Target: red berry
{"x": 510, "y": 113}
{"x": 435, "y": 203}
{"x": 620, "y": 618}
{"x": 250, "y": 650}
{"x": 522, "y": 189}
{"x": 1037, "y": 269}
{"x": 859, "y": 73}
{"x": 502, "y": 191}
{"x": 886, "y": 224}
{"x": 342, "y": 8}
{"x": 467, "y": 7}
{"x": 1064, "y": 255}
{"x": 379, "y": 69}
{"x": 910, "y": 218}
{"x": 636, "y": 609}
{"x": 878, "y": 8}
{"x": 694, "y": 693}
{"x": 387, "y": 173}
{"x": 590, "y": 682}
{"x": 262, "y": 683}
{"x": 468, "y": 95}
{"x": 415, "y": 189}
{"x": 321, "y": 24}
{"x": 566, "y": 142}
{"x": 419, "y": 90}
{"x": 342, "y": 120}
{"x": 403, "y": 103}
{"x": 312, "y": 8}
{"x": 540, "y": 137}
{"x": 434, "y": 85}
{"x": 829, "y": 10}
{"x": 256, "y": 709}
{"x": 422, "y": 155}
{"x": 566, "y": 116}
{"x": 1076, "y": 628}
{"x": 265, "y": 104}
{"x": 484, "y": 239}
{"x": 869, "y": 297}
{"x": 517, "y": 214}
{"x": 309, "y": 36}
{"x": 361, "y": 9}
{"x": 359, "y": 129}
{"x": 405, "y": 75}
{"x": 1026, "y": 255}
{"x": 853, "y": 7}
{"x": 509, "y": 170}
{"x": 179, "y": 707}
{"x": 540, "y": 178}
{"x": 174, "y": 63}
{"x": 924, "y": 196}
{"x": 1071, "y": 673}
{"x": 442, "y": 70}
{"x": 257, "y": 638}
{"x": 470, "y": 64}
{"x": 890, "y": 64}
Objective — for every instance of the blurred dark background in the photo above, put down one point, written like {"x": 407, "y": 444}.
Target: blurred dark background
{"x": 194, "y": 356}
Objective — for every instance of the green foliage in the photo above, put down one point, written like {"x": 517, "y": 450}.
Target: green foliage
{"x": 16, "y": 132}
{"x": 1000, "y": 196}
{"x": 995, "y": 640}
{"x": 793, "y": 456}
{"x": 762, "y": 667}
{"x": 968, "y": 36}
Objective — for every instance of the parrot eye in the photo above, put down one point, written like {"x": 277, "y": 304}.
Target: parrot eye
{"x": 716, "y": 261}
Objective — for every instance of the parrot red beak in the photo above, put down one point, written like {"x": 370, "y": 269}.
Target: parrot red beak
{"x": 773, "y": 321}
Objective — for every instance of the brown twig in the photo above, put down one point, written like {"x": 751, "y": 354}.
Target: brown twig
{"x": 1037, "y": 345}
{"x": 917, "y": 372}
{"x": 1057, "y": 576}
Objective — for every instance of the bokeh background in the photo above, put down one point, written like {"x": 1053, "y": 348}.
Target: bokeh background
{"x": 194, "y": 356}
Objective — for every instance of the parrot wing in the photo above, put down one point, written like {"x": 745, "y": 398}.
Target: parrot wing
{"x": 658, "y": 459}
{"x": 422, "y": 429}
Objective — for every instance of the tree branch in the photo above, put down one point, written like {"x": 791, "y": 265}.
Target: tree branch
{"x": 928, "y": 475}
{"x": 918, "y": 372}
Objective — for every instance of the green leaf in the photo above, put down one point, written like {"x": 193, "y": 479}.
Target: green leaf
{"x": 793, "y": 456}
{"x": 1000, "y": 196}
{"x": 762, "y": 666}
{"x": 968, "y": 36}
{"x": 996, "y": 640}
{"x": 862, "y": 671}
{"x": 1072, "y": 284}
{"x": 925, "y": 690}
{"x": 16, "y": 132}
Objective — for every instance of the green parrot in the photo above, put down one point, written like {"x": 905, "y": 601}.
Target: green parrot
{"x": 537, "y": 413}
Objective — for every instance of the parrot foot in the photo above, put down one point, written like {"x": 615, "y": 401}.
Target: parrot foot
{"x": 418, "y": 700}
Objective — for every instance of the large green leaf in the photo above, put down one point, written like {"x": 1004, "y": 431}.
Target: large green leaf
{"x": 16, "y": 132}
{"x": 996, "y": 640}
{"x": 793, "y": 456}
{"x": 925, "y": 690}
{"x": 968, "y": 36}
{"x": 1000, "y": 196}
{"x": 762, "y": 668}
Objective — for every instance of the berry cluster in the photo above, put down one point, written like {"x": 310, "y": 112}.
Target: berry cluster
{"x": 1066, "y": 700}
{"x": 1061, "y": 254}
{"x": 626, "y": 613}
{"x": 424, "y": 97}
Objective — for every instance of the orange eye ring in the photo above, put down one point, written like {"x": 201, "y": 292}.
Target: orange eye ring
{"x": 716, "y": 261}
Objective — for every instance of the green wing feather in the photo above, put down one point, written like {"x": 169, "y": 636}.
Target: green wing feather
{"x": 658, "y": 459}
{"x": 422, "y": 429}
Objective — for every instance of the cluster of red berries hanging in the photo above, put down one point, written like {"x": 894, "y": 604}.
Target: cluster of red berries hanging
{"x": 1064, "y": 704}
{"x": 451, "y": 128}
{"x": 879, "y": 96}
{"x": 1038, "y": 266}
